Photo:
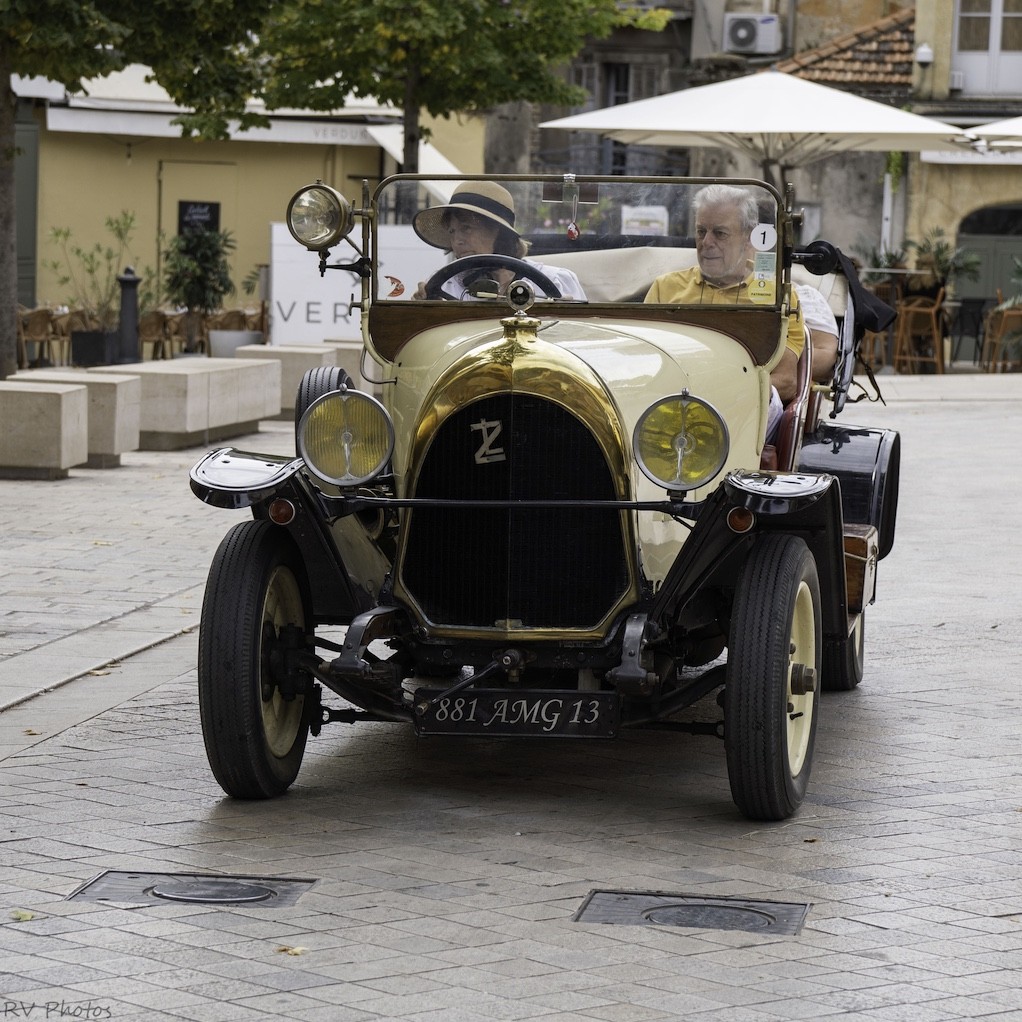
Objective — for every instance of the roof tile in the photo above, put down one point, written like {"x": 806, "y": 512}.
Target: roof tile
{"x": 873, "y": 61}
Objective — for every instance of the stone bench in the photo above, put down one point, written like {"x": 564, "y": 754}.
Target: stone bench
{"x": 349, "y": 357}
{"x": 114, "y": 410}
{"x": 43, "y": 429}
{"x": 195, "y": 400}
{"x": 294, "y": 360}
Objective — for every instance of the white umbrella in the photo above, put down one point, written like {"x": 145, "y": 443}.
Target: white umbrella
{"x": 1000, "y": 133}
{"x": 771, "y": 116}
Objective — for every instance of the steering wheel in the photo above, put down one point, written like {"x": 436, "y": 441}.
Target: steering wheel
{"x": 519, "y": 267}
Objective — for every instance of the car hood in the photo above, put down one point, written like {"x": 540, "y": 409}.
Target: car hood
{"x": 636, "y": 361}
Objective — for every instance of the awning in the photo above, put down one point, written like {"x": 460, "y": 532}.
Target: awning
{"x": 390, "y": 138}
{"x": 126, "y": 103}
{"x": 92, "y": 120}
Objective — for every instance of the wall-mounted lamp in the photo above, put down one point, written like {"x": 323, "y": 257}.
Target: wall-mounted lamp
{"x": 924, "y": 55}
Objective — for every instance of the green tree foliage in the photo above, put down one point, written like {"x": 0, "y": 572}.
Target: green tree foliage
{"x": 200, "y": 51}
{"x": 444, "y": 57}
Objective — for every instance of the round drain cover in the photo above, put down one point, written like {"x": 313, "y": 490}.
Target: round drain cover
{"x": 710, "y": 917}
{"x": 217, "y": 892}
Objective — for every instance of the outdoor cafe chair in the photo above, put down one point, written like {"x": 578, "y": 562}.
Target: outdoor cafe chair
{"x": 38, "y": 329}
{"x": 919, "y": 334}
{"x": 1001, "y": 327}
{"x": 153, "y": 332}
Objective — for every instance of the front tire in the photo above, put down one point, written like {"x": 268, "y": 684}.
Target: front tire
{"x": 254, "y": 736}
{"x": 314, "y": 384}
{"x": 770, "y": 699}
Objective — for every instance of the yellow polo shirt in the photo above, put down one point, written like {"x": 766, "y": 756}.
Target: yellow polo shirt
{"x": 690, "y": 287}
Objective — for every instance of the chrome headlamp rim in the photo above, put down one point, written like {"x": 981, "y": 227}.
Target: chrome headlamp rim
{"x": 674, "y": 485}
{"x": 344, "y": 394}
{"x": 334, "y": 203}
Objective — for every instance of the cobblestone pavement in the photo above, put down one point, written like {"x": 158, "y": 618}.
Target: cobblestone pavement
{"x": 447, "y": 874}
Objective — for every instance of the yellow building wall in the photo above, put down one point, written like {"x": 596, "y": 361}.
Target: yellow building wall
{"x": 943, "y": 194}
{"x": 819, "y": 21}
{"x": 460, "y": 138}
{"x": 85, "y": 178}
{"x": 934, "y": 26}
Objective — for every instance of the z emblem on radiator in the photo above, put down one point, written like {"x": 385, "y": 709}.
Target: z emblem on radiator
{"x": 487, "y": 452}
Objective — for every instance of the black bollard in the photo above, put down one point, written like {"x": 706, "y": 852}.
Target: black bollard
{"x": 129, "y": 316}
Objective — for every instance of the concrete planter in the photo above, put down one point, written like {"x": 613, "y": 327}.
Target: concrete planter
{"x": 95, "y": 347}
{"x": 222, "y": 343}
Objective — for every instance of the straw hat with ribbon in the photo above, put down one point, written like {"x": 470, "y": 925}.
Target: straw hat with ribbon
{"x": 484, "y": 198}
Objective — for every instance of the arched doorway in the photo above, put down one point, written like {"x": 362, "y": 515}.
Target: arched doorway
{"x": 995, "y": 234}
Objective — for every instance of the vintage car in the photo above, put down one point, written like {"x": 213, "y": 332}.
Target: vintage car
{"x": 548, "y": 509}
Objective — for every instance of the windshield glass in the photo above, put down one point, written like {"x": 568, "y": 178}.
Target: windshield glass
{"x": 666, "y": 241}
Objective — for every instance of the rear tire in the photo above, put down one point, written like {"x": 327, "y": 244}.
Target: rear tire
{"x": 254, "y": 736}
{"x": 769, "y": 722}
{"x": 843, "y": 660}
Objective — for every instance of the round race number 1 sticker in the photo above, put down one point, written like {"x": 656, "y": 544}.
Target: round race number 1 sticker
{"x": 764, "y": 237}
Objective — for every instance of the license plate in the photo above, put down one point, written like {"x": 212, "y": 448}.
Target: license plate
{"x": 526, "y": 713}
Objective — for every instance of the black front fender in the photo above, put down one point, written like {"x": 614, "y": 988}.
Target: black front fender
{"x": 799, "y": 504}
{"x": 237, "y": 479}
{"x": 233, "y": 479}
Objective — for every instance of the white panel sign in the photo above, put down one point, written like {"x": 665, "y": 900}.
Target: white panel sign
{"x": 653, "y": 220}
{"x": 306, "y": 308}
{"x": 405, "y": 261}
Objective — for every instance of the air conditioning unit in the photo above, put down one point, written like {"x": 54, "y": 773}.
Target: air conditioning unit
{"x": 753, "y": 33}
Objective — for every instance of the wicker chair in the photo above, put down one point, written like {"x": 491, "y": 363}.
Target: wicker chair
{"x": 37, "y": 328}
{"x": 1000, "y": 326}
{"x": 229, "y": 319}
{"x": 154, "y": 333}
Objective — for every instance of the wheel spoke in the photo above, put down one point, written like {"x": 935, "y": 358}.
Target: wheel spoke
{"x": 802, "y": 703}
{"x": 282, "y": 718}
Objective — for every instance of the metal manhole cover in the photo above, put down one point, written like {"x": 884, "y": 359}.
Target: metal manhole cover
{"x": 658, "y": 908}
{"x": 138, "y": 888}
{"x": 220, "y": 892}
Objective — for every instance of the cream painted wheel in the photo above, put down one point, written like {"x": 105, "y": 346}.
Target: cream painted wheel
{"x": 771, "y": 696}
{"x": 282, "y": 606}
{"x": 801, "y": 715}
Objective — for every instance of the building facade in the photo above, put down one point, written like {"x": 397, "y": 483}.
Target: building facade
{"x": 971, "y": 75}
{"x": 84, "y": 158}
{"x": 959, "y": 61}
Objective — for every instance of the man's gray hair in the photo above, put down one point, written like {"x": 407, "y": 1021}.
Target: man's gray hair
{"x": 728, "y": 195}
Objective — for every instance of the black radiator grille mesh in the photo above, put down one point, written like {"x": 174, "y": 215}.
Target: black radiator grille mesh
{"x": 560, "y": 568}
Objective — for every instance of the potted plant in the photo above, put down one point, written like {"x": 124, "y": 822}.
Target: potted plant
{"x": 94, "y": 298}
{"x": 197, "y": 276}
{"x": 939, "y": 263}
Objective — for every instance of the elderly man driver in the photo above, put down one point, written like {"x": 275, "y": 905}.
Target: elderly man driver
{"x": 725, "y": 218}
